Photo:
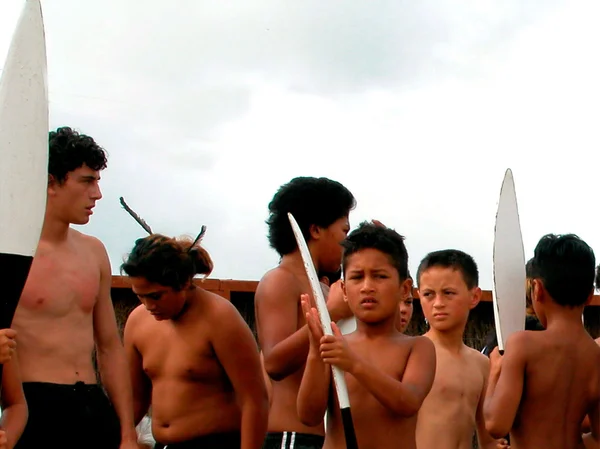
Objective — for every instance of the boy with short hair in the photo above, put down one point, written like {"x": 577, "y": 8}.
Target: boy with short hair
{"x": 548, "y": 381}
{"x": 321, "y": 208}
{"x": 388, "y": 374}
{"x": 453, "y": 410}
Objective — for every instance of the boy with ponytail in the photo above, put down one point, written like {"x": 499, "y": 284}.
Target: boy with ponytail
{"x": 192, "y": 357}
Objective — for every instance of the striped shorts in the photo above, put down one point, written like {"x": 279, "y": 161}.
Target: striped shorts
{"x": 293, "y": 440}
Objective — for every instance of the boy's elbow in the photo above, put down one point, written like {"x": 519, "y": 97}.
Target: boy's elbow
{"x": 495, "y": 427}
{"x": 275, "y": 370}
{"x": 310, "y": 418}
{"x": 408, "y": 408}
{"x": 308, "y": 414}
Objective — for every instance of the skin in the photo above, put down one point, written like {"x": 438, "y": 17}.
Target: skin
{"x": 388, "y": 374}
{"x": 14, "y": 406}
{"x": 453, "y": 410}
{"x": 547, "y": 381}
{"x": 194, "y": 360}
{"x": 281, "y": 326}
{"x": 65, "y": 308}
{"x": 405, "y": 309}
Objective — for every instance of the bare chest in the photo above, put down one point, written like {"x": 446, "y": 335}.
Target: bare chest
{"x": 178, "y": 354}
{"x": 457, "y": 380}
{"x": 389, "y": 359}
{"x": 61, "y": 283}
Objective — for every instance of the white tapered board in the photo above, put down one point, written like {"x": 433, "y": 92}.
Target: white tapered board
{"x": 338, "y": 375}
{"x": 509, "y": 265}
{"x": 23, "y": 154}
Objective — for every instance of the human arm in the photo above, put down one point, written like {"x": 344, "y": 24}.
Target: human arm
{"x": 592, "y": 439}
{"x": 140, "y": 383}
{"x": 483, "y": 436}
{"x": 237, "y": 352}
{"x": 112, "y": 361}
{"x": 313, "y": 392}
{"x": 402, "y": 397}
{"x": 505, "y": 386}
{"x": 284, "y": 346}
{"x": 14, "y": 405}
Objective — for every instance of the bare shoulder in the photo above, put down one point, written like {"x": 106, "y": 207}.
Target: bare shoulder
{"x": 219, "y": 311}
{"x": 136, "y": 319}
{"x": 419, "y": 346}
{"x": 88, "y": 242}
{"x": 419, "y": 343}
{"x": 277, "y": 283}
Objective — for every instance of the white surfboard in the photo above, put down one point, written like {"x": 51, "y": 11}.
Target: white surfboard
{"x": 23, "y": 155}
{"x": 509, "y": 266}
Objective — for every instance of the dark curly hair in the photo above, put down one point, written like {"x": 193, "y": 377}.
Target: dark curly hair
{"x": 167, "y": 261}
{"x": 69, "y": 150}
{"x": 312, "y": 201}
{"x": 386, "y": 240}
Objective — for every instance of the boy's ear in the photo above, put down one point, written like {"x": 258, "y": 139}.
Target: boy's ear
{"x": 537, "y": 291}
{"x": 51, "y": 184}
{"x": 344, "y": 290}
{"x": 475, "y": 298}
{"x": 406, "y": 289}
{"x": 590, "y": 298}
{"x": 314, "y": 231}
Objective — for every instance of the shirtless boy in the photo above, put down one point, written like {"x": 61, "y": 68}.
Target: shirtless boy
{"x": 388, "y": 374}
{"x": 405, "y": 310}
{"x": 65, "y": 310}
{"x": 192, "y": 357}
{"x": 453, "y": 410}
{"x": 547, "y": 381}
{"x": 14, "y": 406}
{"x": 321, "y": 208}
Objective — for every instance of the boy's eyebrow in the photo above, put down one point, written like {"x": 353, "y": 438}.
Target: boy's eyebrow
{"x": 89, "y": 178}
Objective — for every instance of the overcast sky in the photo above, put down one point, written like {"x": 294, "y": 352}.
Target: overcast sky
{"x": 418, "y": 107}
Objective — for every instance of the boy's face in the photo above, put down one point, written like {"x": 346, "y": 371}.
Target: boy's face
{"x": 329, "y": 242}
{"x": 406, "y": 311}
{"x": 372, "y": 286}
{"x": 161, "y": 301}
{"x": 445, "y": 298}
{"x": 74, "y": 199}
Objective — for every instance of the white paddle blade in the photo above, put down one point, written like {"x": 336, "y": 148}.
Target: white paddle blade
{"x": 338, "y": 375}
{"x": 24, "y": 136}
{"x": 509, "y": 266}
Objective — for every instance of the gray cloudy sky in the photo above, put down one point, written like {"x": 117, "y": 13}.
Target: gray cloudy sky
{"x": 206, "y": 108}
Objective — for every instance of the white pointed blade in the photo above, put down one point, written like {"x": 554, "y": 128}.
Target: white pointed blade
{"x": 509, "y": 265}
{"x": 338, "y": 375}
{"x": 24, "y": 136}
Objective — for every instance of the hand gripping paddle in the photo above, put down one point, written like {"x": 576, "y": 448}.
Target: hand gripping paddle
{"x": 338, "y": 374}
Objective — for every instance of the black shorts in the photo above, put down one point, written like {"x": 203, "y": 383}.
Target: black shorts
{"x": 225, "y": 440}
{"x": 293, "y": 440}
{"x": 69, "y": 417}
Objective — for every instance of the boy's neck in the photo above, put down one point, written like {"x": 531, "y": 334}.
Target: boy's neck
{"x": 451, "y": 339}
{"x": 563, "y": 318}
{"x": 54, "y": 230}
{"x": 374, "y": 331}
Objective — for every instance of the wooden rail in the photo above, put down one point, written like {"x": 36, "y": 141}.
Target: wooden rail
{"x": 225, "y": 287}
